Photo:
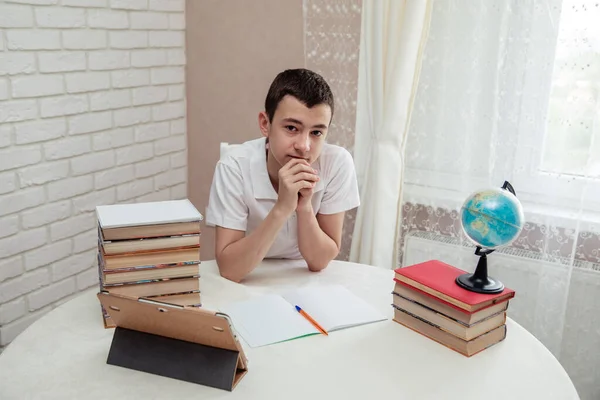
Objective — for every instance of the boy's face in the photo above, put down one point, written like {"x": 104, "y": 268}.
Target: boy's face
{"x": 296, "y": 130}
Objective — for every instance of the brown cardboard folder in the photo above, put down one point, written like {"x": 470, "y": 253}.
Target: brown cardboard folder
{"x": 186, "y": 343}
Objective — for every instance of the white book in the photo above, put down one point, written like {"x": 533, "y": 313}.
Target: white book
{"x": 151, "y": 213}
{"x": 273, "y": 318}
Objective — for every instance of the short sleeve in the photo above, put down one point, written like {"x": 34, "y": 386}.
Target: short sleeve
{"x": 341, "y": 193}
{"x": 226, "y": 206}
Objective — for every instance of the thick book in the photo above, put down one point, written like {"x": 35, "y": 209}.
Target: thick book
{"x": 151, "y": 213}
{"x": 150, "y": 258}
{"x": 185, "y": 343}
{"x": 465, "y": 347}
{"x": 151, "y": 231}
{"x": 182, "y": 291}
{"x": 439, "y": 279}
{"x": 191, "y": 299}
{"x": 156, "y": 288}
{"x": 443, "y": 307}
{"x": 448, "y": 324}
{"x": 112, "y": 247}
{"x": 154, "y": 273}
{"x": 152, "y": 219}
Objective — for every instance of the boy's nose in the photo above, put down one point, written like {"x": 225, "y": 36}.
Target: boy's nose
{"x": 303, "y": 143}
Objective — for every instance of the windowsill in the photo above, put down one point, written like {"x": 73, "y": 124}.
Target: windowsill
{"x": 551, "y": 236}
{"x": 448, "y": 191}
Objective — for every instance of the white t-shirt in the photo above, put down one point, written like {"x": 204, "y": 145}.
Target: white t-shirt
{"x": 242, "y": 194}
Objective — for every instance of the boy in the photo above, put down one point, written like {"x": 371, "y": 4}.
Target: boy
{"x": 283, "y": 195}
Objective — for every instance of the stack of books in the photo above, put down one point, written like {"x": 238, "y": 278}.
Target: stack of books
{"x": 150, "y": 250}
{"x": 427, "y": 300}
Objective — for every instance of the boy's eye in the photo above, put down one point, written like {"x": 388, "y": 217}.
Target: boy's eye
{"x": 317, "y": 133}
{"x": 291, "y": 128}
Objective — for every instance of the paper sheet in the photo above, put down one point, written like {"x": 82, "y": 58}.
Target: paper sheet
{"x": 267, "y": 319}
{"x": 334, "y": 306}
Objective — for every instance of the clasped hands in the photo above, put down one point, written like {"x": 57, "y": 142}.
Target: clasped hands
{"x": 297, "y": 180}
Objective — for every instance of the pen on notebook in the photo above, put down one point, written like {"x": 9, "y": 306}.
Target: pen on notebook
{"x": 312, "y": 321}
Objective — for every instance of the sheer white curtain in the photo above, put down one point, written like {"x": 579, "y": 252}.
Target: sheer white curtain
{"x": 510, "y": 90}
{"x": 392, "y": 39}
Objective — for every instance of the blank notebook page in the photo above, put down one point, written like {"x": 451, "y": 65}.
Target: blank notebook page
{"x": 267, "y": 319}
{"x": 334, "y": 306}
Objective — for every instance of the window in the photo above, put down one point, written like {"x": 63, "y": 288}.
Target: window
{"x": 572, "y": 137}
{"x": 558, "y": 157}
{"x": 502, "y": 96}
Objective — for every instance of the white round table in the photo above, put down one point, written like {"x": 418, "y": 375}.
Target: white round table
{"x": 63, "y": 354}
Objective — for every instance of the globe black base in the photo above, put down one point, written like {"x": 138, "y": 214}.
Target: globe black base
{"x": 486, "y": 285}
{"x": 479, "y": 281}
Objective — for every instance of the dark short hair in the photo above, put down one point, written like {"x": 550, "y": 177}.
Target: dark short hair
{"x": 305, "y": 85}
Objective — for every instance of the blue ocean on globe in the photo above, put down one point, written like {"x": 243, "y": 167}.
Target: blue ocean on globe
{"x": 492, "y": 218}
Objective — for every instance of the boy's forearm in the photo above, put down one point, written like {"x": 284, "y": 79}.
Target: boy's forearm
{"x": 238, "y": 259}
{"x": 316, "y": 247}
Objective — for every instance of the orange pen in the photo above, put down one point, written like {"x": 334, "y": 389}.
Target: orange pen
{"x": 312, "y": 321}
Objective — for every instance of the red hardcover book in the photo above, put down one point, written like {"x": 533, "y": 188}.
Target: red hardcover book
{"x": 439, "y": 280}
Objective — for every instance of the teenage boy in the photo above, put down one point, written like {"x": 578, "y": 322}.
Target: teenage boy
{"x": 284, "y": 195}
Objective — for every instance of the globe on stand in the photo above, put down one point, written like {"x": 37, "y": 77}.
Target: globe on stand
{"x": 491, "y": 219}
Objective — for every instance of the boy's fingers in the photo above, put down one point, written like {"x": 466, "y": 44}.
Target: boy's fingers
{"x": 290, "y": 167}
{"x": 298, "y": 168}
{"x": 305, "y": 176}
{"x": 303, "y": 185}
{"x": 293, "y": 162}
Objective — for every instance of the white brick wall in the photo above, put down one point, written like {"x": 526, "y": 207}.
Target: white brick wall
{"x": 92, "y": 111}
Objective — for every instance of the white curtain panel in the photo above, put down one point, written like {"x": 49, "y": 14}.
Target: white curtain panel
{"x": 510, "y": 90}
{"x": 393, "y": 34}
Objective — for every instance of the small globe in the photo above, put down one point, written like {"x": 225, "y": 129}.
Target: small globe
{"x": 492, "y": 218}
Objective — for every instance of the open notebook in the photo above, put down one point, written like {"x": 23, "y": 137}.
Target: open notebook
{"x": 273, "y": 318}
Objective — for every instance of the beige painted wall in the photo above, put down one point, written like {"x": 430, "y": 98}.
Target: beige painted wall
{"x": 234, "y": 50}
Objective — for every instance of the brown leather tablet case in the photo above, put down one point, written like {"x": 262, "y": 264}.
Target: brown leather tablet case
{"x": 187, "y": 343}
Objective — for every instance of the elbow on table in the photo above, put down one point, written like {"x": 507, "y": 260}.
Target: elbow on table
{"x": 228, "y": 273}
{"x": 229, "y": 276}
{"x": 319, "y": 265}
{"x": 316, "y": 267}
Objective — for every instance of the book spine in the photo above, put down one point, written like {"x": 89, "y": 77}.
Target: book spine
{"x": 151, "y": 238}
{"x": 142, "y": 281}
{"x": 466, "y": 325}
{"x": 169, "y": 250}
{"x": 414, "y": 329}
{"x": 432, "y": 292}
{"x": 146, "y": 267}
{"x": 174, "y": 294}
{"x": 106, "y": 319}
{"x": 449, "y": 300}
{"x": 454, "y": 306}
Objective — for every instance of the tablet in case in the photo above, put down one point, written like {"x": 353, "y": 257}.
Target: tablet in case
{"x": 180, "y": 342}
